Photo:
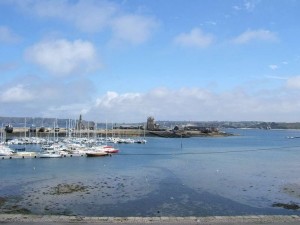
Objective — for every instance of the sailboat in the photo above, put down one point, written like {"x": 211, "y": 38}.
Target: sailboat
{"x": 140, "y": 140}
{"x": 101, "y": 150}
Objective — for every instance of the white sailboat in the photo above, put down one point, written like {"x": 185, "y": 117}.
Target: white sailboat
{"x": 142, "y": 140}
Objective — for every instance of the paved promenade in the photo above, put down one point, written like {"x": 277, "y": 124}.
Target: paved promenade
{"x": 16, "y": 219}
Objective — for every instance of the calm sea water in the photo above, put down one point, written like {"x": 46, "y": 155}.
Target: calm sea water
{"x": 236, "y": 175}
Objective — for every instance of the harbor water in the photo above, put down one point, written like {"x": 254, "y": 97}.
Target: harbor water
{"x": 253, "y": 172}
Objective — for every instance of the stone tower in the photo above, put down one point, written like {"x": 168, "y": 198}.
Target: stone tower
{"x": 150, "y": 123}
{"x": 79, "y": 124}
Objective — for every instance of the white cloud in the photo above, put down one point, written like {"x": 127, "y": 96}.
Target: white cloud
{"x": 293, "y": 82}
{"x": 247, "y": 5}
{"x": 252, "y": 35}
{"x": 68, "y": 111}
{"x": 62, "y": 57}
{"x": 273, "y": 67}
{"x": 111, "y": 100}
{"x": 134, "y": 29}
{"x": 94, "y": 16}
{"x": 7, "y": 35}
{"x": 35, "y": 96}
{"x": 195, "y": 38}
{"x": 17, "y": 94}
{"x": 164, "y": 104}
{"x": 87, "y": 15}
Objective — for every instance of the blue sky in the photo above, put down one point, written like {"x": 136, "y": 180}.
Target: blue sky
{"x": 123, "y": 61}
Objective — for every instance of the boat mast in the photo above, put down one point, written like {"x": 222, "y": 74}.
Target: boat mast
{"x": 25, "y": 129}
{"x": 1, "y": 133}
{"x": 106, "y": 132}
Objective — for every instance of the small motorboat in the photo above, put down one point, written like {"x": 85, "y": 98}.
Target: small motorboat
{"x": 110, "y": 149}
{"x": 141, "y": 141}
{"x": 23, "y": 153}
{"x": 49, "y": 154}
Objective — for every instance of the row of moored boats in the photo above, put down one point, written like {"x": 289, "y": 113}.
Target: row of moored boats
{"x": 67, "y": 146}
{"x": 61, "y": 149}
{"x": 42, "y": 141}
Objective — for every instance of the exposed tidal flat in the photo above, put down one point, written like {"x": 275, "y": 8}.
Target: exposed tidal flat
{"x": 255, "y": 172}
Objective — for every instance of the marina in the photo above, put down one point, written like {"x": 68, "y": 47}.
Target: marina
{"x": 58, "y": 148}
{"x": 253, "y": 172}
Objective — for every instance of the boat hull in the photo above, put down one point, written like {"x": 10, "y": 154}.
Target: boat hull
{"x": 25, "y": 154}
{"x": 112, "y": 151}
{"x": 96, "y": 154}
{"x": 49, "y": 155}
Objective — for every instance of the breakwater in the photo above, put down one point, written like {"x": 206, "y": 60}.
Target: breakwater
{"x": 23, "y": 132}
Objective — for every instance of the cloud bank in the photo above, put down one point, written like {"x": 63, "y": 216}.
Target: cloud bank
{"x": 36, "y": 97}
{"x": 199, "y": 104}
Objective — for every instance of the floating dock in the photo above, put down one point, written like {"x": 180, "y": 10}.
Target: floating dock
{"x": 36, "y": 156}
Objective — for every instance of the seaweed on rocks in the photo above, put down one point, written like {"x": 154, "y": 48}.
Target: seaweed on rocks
{"x": 61, "y": 189}
{"x": 291, "y": 205}
{"x": 2, "y": 201}
{"x": 12, "y": 207}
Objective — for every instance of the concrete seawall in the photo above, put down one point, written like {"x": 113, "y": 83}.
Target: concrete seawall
{"x": 52, "y": 219}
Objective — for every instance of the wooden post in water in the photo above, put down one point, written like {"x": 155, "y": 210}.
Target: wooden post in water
{"x": 181, "y": 141}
